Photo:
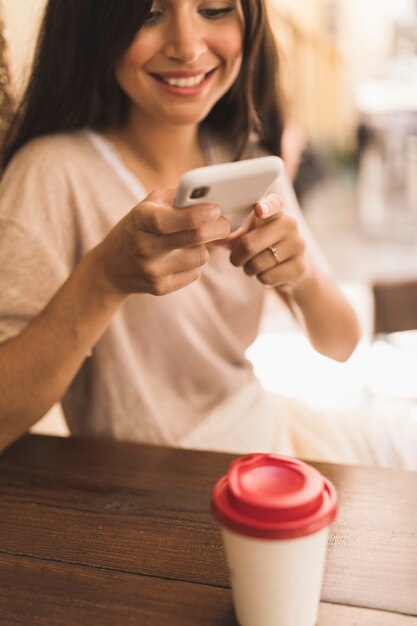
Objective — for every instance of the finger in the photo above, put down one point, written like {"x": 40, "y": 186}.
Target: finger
{"x": 151, "y": 245}
{"x": 268, "y": 207}
{"x": 280, "y": 226}
{"x": 283, "y": 274}
{"x": 174, "y": 262}
{"x": 273, "y": 255}
{"x": 163, "y": 197}
{"x": 173, "y": 282}
{"x": 155, "y": 215}
{"x": 255, "y": 241}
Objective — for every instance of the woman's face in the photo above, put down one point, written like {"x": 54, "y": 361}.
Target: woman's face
{"x": 183, "y": 59}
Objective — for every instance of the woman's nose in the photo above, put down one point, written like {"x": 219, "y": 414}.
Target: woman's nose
{"x": 185, "y": 42}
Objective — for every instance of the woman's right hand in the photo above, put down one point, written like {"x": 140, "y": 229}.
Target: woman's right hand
{"x": 158, "y": 249}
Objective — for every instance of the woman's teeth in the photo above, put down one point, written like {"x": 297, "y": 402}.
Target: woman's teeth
{"x": 193, "y": 81}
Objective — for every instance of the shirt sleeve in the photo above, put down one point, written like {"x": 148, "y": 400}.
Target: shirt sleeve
{"x": 36, "y": 238}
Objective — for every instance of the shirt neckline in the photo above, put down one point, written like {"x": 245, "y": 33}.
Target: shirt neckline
{"x": 109, "y": 153}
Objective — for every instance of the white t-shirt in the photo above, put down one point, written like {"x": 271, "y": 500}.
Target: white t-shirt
{"x": 164, "y": 364}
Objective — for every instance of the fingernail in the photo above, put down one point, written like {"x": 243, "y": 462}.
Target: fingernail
{"x": 264, "y": 209}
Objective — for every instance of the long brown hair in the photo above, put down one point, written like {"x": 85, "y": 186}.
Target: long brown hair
{"x": 72, "y": 84}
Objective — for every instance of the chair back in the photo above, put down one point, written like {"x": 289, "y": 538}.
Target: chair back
{"x": 395, "y": 306}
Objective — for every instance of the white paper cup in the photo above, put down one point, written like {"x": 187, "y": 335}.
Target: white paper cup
{"x": 275, "y": 514}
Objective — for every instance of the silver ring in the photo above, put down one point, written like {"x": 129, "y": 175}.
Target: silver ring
{"x": 274, "y": 253}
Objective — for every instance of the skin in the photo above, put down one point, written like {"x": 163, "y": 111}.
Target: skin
{"x": 156, "y": 249}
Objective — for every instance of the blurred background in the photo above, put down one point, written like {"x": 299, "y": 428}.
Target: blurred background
{"x": 349, "y": 75}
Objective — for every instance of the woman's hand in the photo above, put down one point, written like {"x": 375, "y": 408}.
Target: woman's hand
{"x": 158, "y": 249}
{"x": 271, "y": 247}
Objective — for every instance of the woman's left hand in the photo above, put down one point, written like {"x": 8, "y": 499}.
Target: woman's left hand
{"x": 271, "y": 247}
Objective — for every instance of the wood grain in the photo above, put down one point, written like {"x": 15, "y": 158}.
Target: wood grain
{"x": 339, "y": 615}
{"x": 151, "y": 505}
{"x": 128, "y": 512}
{"x": 57, "y": 594}
{"x": 39, "y": 593}
{"x": 372, "y": 556}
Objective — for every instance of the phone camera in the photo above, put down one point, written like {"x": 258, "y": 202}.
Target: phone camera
{"x": 199, "y": 192}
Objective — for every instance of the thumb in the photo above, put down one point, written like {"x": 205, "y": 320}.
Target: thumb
{"x": 268, "y": 207}
{"x": 163, "y": 197}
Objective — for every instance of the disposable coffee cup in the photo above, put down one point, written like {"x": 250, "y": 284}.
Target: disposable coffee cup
{"x": 275, "y": 513}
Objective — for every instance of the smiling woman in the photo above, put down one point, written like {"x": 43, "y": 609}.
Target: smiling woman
{"x": 136, "y": 315}
{"x": 185, "y": 51}
{"x": 182, "y": 61}
{"x": 81, "y": 80}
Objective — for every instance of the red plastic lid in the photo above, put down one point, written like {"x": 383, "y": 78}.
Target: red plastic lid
{"x": 273, "y": 497}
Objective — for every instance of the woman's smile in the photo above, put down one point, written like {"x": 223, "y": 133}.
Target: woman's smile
{"x": 183, "y": 83}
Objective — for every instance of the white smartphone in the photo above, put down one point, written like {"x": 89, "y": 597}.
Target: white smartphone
{"x": 234, "y": 187}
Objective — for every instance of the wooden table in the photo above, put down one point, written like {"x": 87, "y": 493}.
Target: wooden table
{"x": 110, "y": 534}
